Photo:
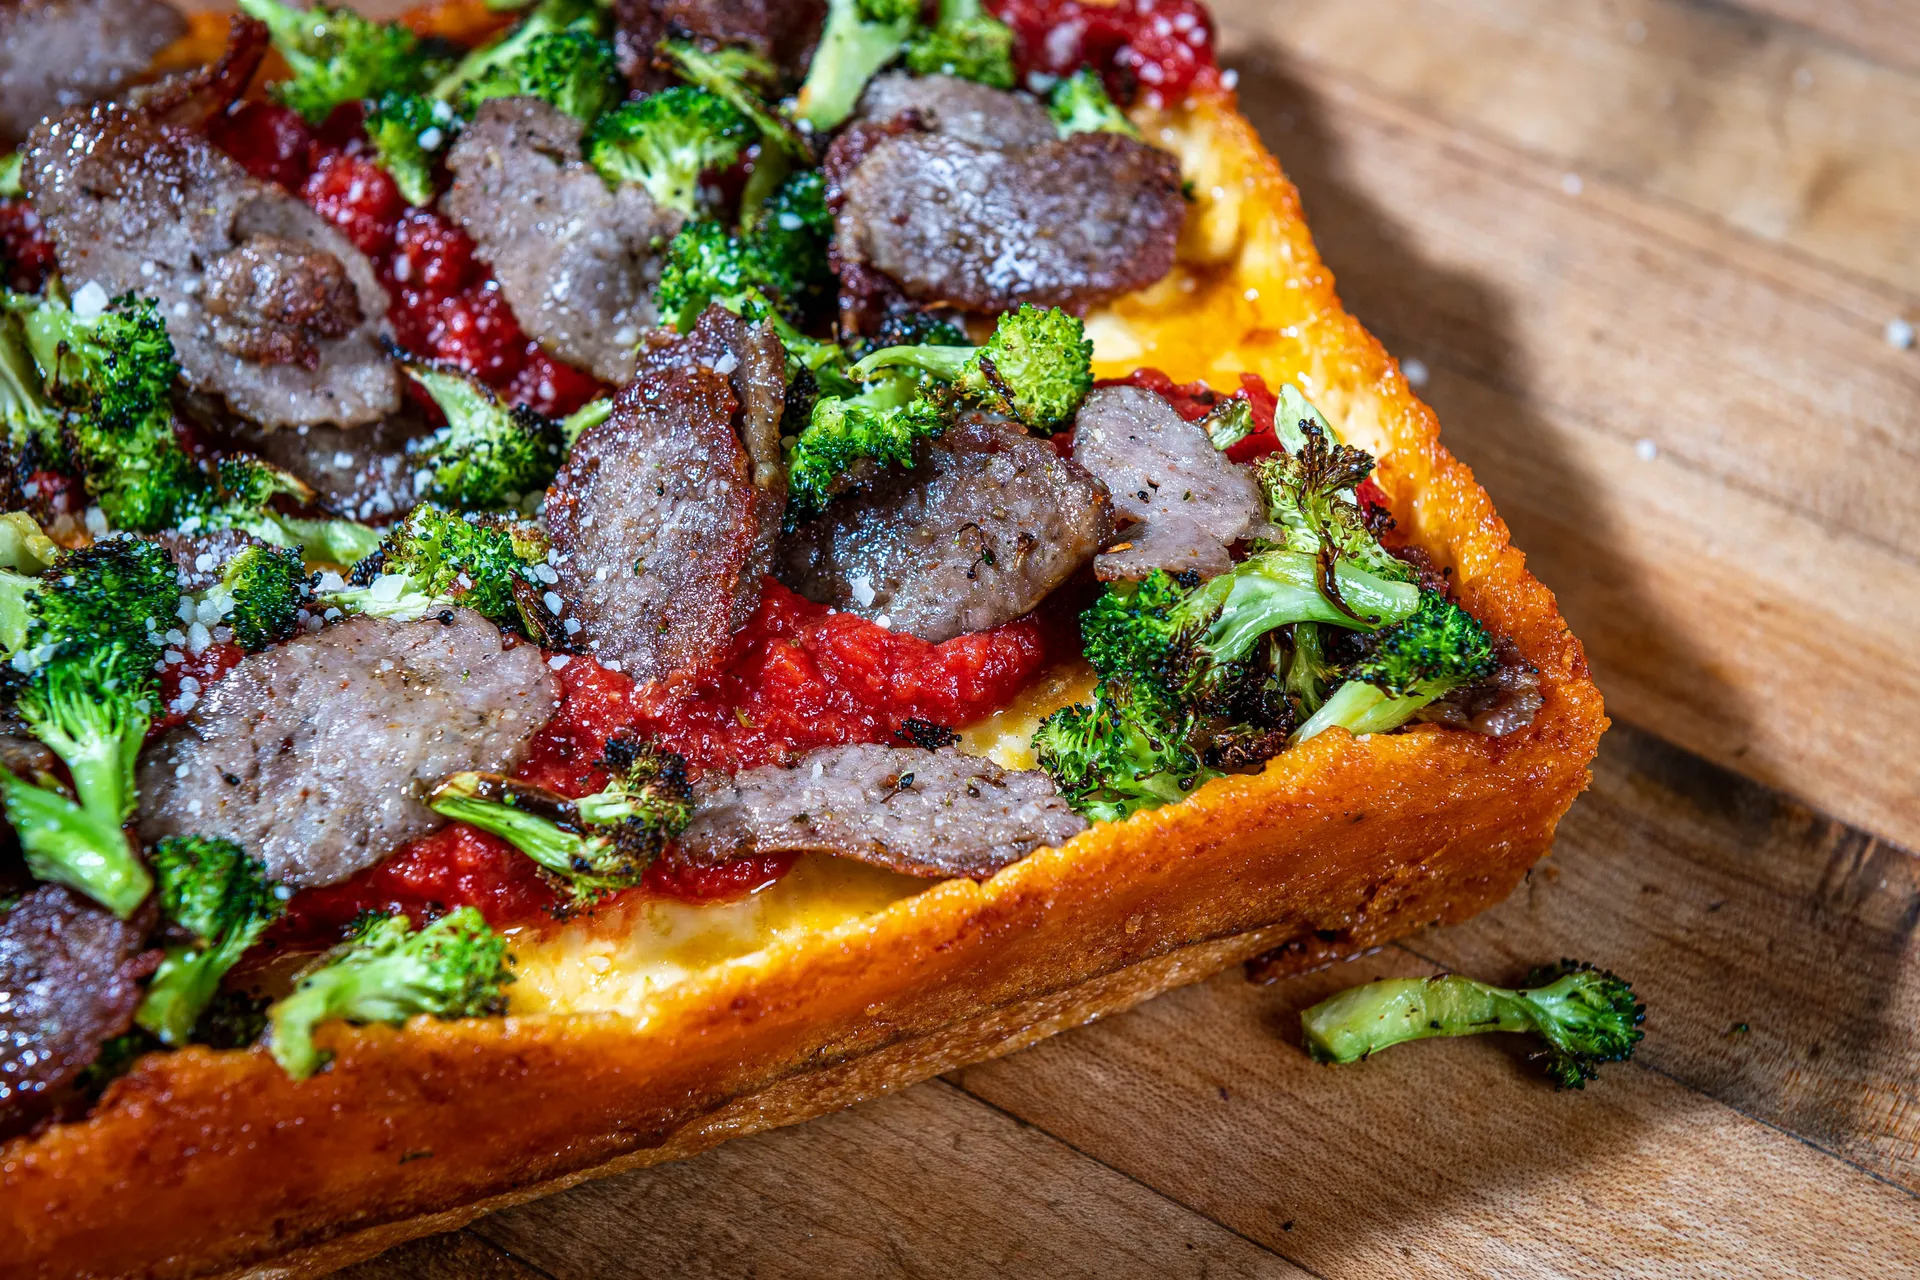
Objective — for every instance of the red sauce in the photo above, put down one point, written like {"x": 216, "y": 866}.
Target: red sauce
{"x": 1158, "y": 50}
{"x": 26, "y": 250}
{"x": 203, "y": 668}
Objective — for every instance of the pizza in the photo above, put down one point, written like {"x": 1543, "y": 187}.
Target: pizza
{"x": 580, "y": 581}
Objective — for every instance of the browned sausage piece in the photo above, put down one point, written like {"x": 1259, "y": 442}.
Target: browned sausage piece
{"x": 59, "y": 54}
{"x": 1181, "y": 502}
{"x": 137, "y": 205}
{"x": 70, "y": 976}
{"x": 314, "y": 756}
{"x": 988, "y": 523}
{"x": 924, "y": 813}
{"x": 576, "y": 261}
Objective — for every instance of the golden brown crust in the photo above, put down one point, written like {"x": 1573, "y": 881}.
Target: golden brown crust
{"x": 202, "y": 1163}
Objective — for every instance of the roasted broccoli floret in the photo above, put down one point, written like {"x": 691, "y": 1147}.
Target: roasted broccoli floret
{"x": 210, "y": 888}
{"x": 1079, "y": 104}
{"x": 781, "y": 262}
{"x": 409, "y": 132}
{"x": 241, "y": 497}
{"x": 883, "y": 424}
{"x": 598, "y": 843}
{"x": 1585, "y": 1017}
{"x": 436, "y": 559}
{"x": 791, "y": 234}
{"x": 965, "y": 41}
{"x": 30, "y": 418}
{"x": 338, "y": 56}
{"x": 666, "y": 141}
{"x": 1125, "y": 752}
{"x": 1436, "y": 651}
{"x": 121, "y": 590}
{"x": 489, "y": 454}
{"x": 1310, "y": 493}
{"x": 261, "y": 592}
{"x": 12, "y": 165}
{"x": 575, "y": 71}
{"x": 456, "y": 967}
{"x": 860, "y": 37}
{"x": 704, "y": 264}
{"x": 1036, "y": 368}
{"x": 481, "y": 66}
{"x": 1310, "y": 674}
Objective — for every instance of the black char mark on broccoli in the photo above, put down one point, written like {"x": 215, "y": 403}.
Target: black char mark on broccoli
{"x": 1585, "y": 1017}
{"x": 490, "y": 454}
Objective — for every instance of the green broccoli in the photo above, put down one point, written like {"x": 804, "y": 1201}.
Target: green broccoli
{"x": 860, "y": 37}
{"x": 1309, "y": 673}
{"x": 489, "y": 454}
{"x": 261, "y": 592}
{"x": 1585, "y": 1016}
{"x": 241, "y": 497}
{"x": 30, "y": 418}
{"x": 965, "y": 41}
{"x": 575, "y": 71}
{"x": 1310, "y": 492}
{"x": 84, "y": 639}
{"x": 210, "y": 888}
{"x": 483, "y": 65}
{"x": 436, "y": 559}
{"x": 883, "y": 424}
{"x": 744, "y": 80}
{"x": 665, "y": 142}
{"x": 409, "y": 133}
{"x": 1127, "y": 751}
{"x": 1036, "y": 368}
{"x": 24, "y": 546}
{"x": 792, "y": 232}
{"x": 456, "y": 967}
{"x": 1429, "y": 655}
{"x": 598, "y": 843}
{"x": 1079, "y": 104}
{"x": 781, "y": 263}
{"x": 704, "y": 264}
{"x": 337, "y": 56}
{"x": 12, "y": 167}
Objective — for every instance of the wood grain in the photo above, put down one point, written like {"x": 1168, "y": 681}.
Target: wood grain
{"x": 927, "y": 1183}
{"x": 458, "y": 1255}
{"x": 1884, "y": 29}
{"x": 1737, "y": 117}
{"x": 1691, "y": 433}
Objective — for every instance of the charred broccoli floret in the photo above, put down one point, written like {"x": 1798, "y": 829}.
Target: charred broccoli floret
{"x": 575, "y": 71}
{"x": 490, "y": 454}
{"x": 456, "y": 967}
{"x": 1036, "y": 368}
{"x": 261, "y": 592}
{"x": 598, "y": 843}
{"x": 860, "y": 37}
{"x": 1584, "y": 1016}
{"x": 436, "y": 559}
{"x": 409, "y": 133}
{"x": 780, "y": 262}
{"x": 337, "y": 56}
{"x": 210, "y": 888}
{"x": 1126, "y": 751}
{"x": 1310, "y": 491}
{"x": 666, "y": 141}
{"x": 1432, "y": 653}
{"x": 965, "y": 41}
{"x": 1079, "y": 104}
{"x": 883, "y": 423}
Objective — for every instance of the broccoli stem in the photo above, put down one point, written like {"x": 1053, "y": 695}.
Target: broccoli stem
{"x": 1363, "y": 1020}
{"x": 1361, "y": 708}
{"x": 851, "y": 51}
{"x": 945, "y": 363}
{"x": 538, "y": 837}
{"x": 1278, "y": 587}
{"x": 185, "y": 984}
{"x": 79, "y": 847}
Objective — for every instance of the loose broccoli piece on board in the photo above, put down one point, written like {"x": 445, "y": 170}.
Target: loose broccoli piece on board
{"x": 456, "y": 967}
{"x": 883, "y": 424}
{"x": 338, "y": 56}
{"x": 575, "y": 71}
{"x": 409, "y": 133}
{"x": 1585, "y": 1016}
{"x": 1079, "y": 104}
{"x": 489, "y": 454}
{"x": 666, "y": 141}
{"x": 436, "y": 559}
{"x": 860, "y": 37}
{"x": 1036, "y": 368}
{"x": 1439, "y": 649}
{"x": 213, "y": 890}
{"x": 262, "y": 591}
{"x": 965, "y": 41}
{"x": 598, "y": 843}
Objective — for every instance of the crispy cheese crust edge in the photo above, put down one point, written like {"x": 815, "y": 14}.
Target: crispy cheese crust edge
{"x": 203, "y": 1163}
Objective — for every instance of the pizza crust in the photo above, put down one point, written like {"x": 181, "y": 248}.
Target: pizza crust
{"x": 203, "y": 1163}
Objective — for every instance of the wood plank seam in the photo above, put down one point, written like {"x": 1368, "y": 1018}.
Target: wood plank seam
{"x": 1812, "y": 33}
{"x": 474, "y": 1231}
{"x": 1701, "y": 1092}
{"x": 1023, "y": 1122}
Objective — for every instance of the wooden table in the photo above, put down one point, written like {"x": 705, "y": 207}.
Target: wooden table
{"x": 1647, "y": 252}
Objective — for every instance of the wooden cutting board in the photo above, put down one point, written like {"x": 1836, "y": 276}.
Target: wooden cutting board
{"x": 1646, "y": 254}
